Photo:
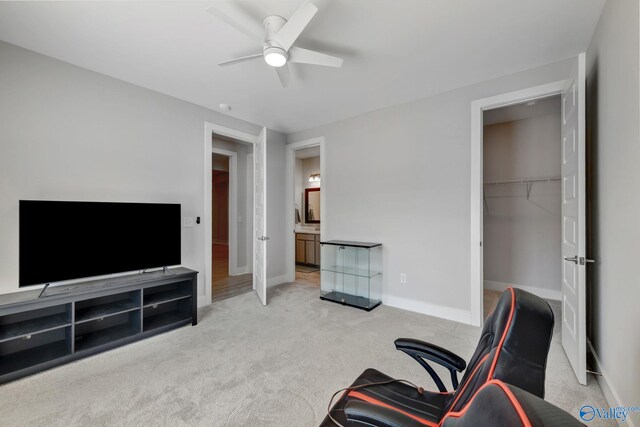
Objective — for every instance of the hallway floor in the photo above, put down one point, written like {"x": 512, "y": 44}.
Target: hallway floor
{"x": 224, "y": 286}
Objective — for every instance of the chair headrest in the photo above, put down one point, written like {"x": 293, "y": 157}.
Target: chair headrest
{"x": 526, "y": 339}
{"x": 513, "y": 346}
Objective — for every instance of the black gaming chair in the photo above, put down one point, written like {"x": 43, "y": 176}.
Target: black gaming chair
{"x": 513, "y": 348}
{"x": 495, "y": 405}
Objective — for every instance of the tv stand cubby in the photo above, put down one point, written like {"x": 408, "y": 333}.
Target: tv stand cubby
{"x": 82, "y": 319}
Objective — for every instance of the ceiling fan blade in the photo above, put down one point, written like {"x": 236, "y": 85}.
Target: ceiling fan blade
{"x": 295, "y": 25}
{"x": 305, "y": 56}
{"x": 242, "y": 59}
{"x": 240, "y": 21}
{"x": 284, "y": 75}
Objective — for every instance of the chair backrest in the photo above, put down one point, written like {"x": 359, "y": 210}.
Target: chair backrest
{"x": 500, "y": 404}
{"x": 513, "y": 347}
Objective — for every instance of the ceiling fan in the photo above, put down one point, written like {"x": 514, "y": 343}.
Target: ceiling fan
{"x": 277, "y": 36}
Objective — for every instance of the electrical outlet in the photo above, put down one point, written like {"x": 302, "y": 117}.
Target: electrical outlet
{"x": 403, "y": 278}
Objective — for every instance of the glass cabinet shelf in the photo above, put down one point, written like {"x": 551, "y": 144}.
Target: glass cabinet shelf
{"x": 351, "y": 273}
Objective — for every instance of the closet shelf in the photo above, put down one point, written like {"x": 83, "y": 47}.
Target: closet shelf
{"x": 513, "y": 188}
{"x": 525, "y": 181}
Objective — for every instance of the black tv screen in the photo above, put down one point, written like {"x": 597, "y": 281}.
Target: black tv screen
{"x": 70, "y": 240}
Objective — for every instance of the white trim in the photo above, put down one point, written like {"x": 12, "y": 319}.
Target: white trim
{"x": 232, "y": 223}
{"x": 477, "y": 108}
{"x": 449, "y": 313}
{"x": 248, "y": 213}
{"x": 610, "y": 393}
{"x": 278, "y": 280}
{"x": 545, "y": 293}
{"x": 209, "y": 130}
{"x": 243, "y": 270}
{"x": 290, "y": 261}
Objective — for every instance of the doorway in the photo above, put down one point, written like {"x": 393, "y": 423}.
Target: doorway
{"x": 231, "y": 218}
{"x": 522, "y": 222}
{"x": 573, "y": 206}
{"x": 307, "y": 196}
{"x": 307, "y": 190}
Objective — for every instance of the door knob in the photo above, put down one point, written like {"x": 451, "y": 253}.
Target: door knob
{"x": 572, "y": 259}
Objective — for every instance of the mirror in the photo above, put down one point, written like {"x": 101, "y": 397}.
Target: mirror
{"x": 312, "y": 206}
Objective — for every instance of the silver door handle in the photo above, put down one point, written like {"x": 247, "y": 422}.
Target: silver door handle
{"x": 263, "y": 238}
{"x": 584, "y": 261}
{"x": 572, "y": 259}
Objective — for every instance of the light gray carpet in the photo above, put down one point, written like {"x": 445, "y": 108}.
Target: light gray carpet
{"x": 248, "y": 365}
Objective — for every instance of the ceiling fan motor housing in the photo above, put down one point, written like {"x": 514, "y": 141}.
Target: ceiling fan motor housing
{"x": 273, "y": 53}
{"x": 272, "y": 24}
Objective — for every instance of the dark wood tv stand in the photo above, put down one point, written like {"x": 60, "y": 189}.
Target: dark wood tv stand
{"x": 82, "y": 319}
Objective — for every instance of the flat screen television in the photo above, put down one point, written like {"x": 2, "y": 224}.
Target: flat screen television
{"x": 61, "y": 240}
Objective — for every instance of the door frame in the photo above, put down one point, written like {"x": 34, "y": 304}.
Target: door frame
{"x": 209, "y": 130}
{"x": 290, "y": 210}
{"x": 232, "y": 208}
{"x": 249, "y": 221}
{"x": 477, "y": 126}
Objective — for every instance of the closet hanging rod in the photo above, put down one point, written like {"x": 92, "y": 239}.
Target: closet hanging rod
{"x": 524, "y": 181}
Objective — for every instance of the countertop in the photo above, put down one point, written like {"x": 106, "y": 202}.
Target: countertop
{"x": 307, "y": 232}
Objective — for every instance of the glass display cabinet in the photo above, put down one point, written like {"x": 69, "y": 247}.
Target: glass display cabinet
{"x": 351, "y": 273}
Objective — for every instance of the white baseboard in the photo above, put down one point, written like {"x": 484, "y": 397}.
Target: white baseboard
{"x": 541, "y": 292}
{"x": 609, "y": 391}
{"x": 242, "y": 270}
{"x": 449, "y": 313}
{"x": 278, "y": 280}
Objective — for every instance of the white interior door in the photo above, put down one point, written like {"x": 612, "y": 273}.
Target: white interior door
{"x": 574, "y": 333}
{"x": 260, "y": 216}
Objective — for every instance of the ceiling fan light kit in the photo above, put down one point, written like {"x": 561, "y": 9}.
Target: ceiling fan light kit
{"x": 275, "y": 56}
{"x": 279, "y": 36}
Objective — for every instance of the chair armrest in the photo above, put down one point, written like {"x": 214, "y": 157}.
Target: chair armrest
{"x": 432, "y": 352}
{"x": 364, "y": 413}
{"x": 422, "y": 351}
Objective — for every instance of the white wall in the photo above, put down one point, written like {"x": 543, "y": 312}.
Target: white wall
{"x": 298, "y": 188}
{"x": 308, "y": 166}
{"x": 71, "y": 134}
{"x": 614, "y": 139}
{"x": 522, "y": 237}
{"x": 220, "y": 162}
{"x": 244, "y": 189}
{"x": 401, "y": 176}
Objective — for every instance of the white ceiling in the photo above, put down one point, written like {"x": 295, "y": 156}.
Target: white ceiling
{"x": 306, "y": 153}
{"x": 395, "y": 51}
{"x": 525, "y": 110}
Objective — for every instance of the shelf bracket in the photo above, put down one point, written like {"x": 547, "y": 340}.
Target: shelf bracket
{"x": 486, "y": 205}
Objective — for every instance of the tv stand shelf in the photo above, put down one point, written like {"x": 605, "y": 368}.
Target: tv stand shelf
{"x": 83, "y": 319}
